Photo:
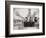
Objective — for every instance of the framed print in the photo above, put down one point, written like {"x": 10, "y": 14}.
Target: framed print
{"x": 24, "y": 18}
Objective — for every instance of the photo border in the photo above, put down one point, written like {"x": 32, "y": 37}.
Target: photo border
{"x": 7, "y": 17}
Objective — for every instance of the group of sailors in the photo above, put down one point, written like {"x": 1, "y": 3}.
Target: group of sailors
{"x": 30, "y": 22}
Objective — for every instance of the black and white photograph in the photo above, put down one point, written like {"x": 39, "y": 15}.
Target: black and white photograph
{"x": 24, "y": 18}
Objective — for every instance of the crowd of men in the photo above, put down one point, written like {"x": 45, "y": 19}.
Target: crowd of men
{"x": 31, "y": 23}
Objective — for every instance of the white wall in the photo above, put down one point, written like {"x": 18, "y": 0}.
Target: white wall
{"x": 2, "y": 18}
